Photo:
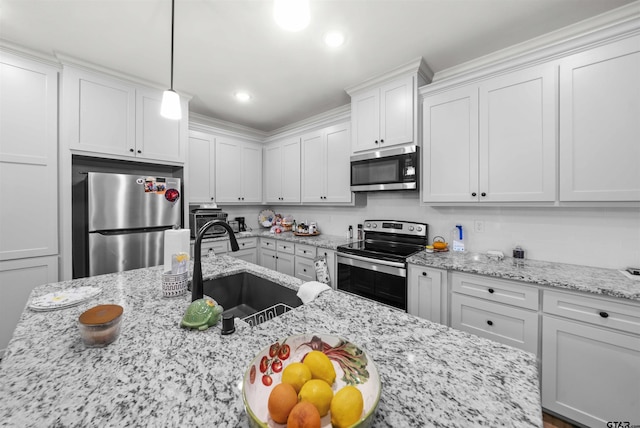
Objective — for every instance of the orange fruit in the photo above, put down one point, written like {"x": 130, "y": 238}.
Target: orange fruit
{"x": 304, "y": 415}
{"x": 282, "y": 399}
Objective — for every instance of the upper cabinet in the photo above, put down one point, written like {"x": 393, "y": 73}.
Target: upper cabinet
{"x": 238, "y": 172}
{"x": 201, "y": 163}
{"x": 600, "y": 123}
{"x": 384, "y": 109}
{"x": 282, "y": 171}
{"x": 325, "y": 165}
{"x": 109, "y": 116}
{"x": 494, "y": 141}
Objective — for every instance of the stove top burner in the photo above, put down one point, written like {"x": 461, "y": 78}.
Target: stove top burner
{"x": 385, "y": 250}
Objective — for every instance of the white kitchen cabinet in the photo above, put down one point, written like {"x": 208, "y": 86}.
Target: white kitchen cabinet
{"x": 500, "y": 310}
{"x": 383, "y": 116}
{"x": 590, "y": 358}
{"x": 326, "y": 166}
{"x": 427, "y": 293}
{"x": 494, "y": 141}
{"x": 277, "y": 255}
{"x": 28, "y": 158}
{"x": 599, "y": 123}
{"x": 201, "y": 164}
{"x": 248, "y": 250}
{"x": 211, "y": 248}
{"x": 109, "y": 116}
{"x": 238, "y": 172}
{"x": 305, "y": 267}
{"x": 282, "y": 171}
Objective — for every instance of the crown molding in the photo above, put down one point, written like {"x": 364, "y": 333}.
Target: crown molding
{"x": 202, "y": 123}
{"x": 327, "y": 118}
{"x": 21, "y": 51}
{"x": 617, "y": 23}
{"x": 415, "y": 66}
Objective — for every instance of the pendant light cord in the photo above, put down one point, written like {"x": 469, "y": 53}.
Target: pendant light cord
{"x": 173, "y": 3}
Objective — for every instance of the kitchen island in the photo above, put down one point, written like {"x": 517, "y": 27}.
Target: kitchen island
{"x": 157, "y": 374}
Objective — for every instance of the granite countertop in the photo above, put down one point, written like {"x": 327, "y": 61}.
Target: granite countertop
{"x": 608, "y": 282}
{"x": 330, "y": 242}
{"x": 157, "y": 374}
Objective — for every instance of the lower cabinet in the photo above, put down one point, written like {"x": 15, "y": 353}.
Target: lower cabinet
{"x": 277, "y": 255}
{"x": 427, "y": 293}
{"x": 248, "y": 250}
{"x": 591, "y": 359}
{"x": 305, "y": 267}
{"x": 212, "y": 248}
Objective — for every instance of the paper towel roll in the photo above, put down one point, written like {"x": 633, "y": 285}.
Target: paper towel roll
{"x": 175, "y": 241}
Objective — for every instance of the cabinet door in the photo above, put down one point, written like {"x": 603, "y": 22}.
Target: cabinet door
{"x": 248, "y": 255}
{"x": 396, "y": 112}
{"x": 268, "y": 258}
{"x": 338, "y": 166}
{"x": 157, "y": 137}
{"x": 28, "y": 159}
{"x": 101, "y": 113}
{"x": 228, "y": 160}
{"x": 590, "y": 374}
{"x": 291, "y": 171}
{"x": 285, "y": 263}
{"x": 201, "y": 183}
{"x": 251, "y": 173}
{"x": 425, "y": 293}
{"x": 518, "y": 136}
{"x": 273, "y": 172}
{"x": 450, "y": 146}
{"x": 365, "y": 117}
{"x": 599, "y": 126}
{"x": 313, "y": 167}
{"x": 305, "y": 269}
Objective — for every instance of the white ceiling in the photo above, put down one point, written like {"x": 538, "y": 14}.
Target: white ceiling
{"x": 222, "y": 46}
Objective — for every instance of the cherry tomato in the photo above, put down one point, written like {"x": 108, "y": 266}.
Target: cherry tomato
{"x": 252, "y": 374}
{"x": 273, "y": 349}
{"x": 284, "y": 352}
{"x": 266, "y": 380}
{"x": 276, "y": 366}
{"x": 264, "y": 364}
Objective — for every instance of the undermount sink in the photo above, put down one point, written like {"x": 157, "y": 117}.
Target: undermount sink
{"x": 250, "y": 297}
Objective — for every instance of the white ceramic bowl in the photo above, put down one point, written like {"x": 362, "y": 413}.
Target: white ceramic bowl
{"x": 265, "y": 372}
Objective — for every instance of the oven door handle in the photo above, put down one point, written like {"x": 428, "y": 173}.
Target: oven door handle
{"x": 384, "y": 266}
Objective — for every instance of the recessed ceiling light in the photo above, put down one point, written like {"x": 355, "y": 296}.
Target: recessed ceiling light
{"x": 291, "y": 15}
{"x": 334, "y": 39}
{"x": 242, "y": 96}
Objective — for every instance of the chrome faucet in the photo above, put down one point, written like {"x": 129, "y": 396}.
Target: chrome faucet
{"x": 196, "y": 283}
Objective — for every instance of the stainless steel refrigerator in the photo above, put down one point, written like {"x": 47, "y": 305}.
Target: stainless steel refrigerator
{"x": 127, "y": 217}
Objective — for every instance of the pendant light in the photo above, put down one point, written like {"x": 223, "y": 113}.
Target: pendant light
{"x": 291, "y": 15}
{"x": 170, "y": 107}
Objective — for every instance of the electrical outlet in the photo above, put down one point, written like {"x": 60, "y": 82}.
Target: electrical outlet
{"x": 478, "y": 226}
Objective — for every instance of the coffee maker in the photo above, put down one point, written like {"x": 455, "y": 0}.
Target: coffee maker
{"x": 241, "y": 224}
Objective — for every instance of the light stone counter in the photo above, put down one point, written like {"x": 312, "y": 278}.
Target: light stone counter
{"x": 157, "y": 374}
{"x": 608, "y": 282}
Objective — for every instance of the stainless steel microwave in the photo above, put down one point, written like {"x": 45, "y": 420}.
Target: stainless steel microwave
{"x": 390, "y": 169}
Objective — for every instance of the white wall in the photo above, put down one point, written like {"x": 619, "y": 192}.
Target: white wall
{"x": 602, "y": 237}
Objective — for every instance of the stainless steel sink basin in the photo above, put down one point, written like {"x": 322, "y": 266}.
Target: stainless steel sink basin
{"x": 251, "y": 298}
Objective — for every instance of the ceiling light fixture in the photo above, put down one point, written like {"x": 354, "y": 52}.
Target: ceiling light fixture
{"x": 242, "y": 96}
{"x": 334, "y": 39}
{"x": 170, "y": 107}
{"x": 291, "y": 15}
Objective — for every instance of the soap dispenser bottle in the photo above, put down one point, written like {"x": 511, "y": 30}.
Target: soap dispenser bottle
{"x": 457, "y": 238}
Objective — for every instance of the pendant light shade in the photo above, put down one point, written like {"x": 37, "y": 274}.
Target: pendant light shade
{"x": 291, "y": 15}
{"x": 170, "y": 107}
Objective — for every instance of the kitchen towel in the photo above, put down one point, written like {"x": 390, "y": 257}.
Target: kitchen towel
{"x": 310, "y": 290}
{"x": 175, "y": 241}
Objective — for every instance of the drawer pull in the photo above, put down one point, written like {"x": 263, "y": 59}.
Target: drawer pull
{"x": 424, "y": 274}
{"x": 490, "y": 322}
{"x": 304, "y": 270}
{"x": 491, "y": 291}
{"x": 603, "y": 314}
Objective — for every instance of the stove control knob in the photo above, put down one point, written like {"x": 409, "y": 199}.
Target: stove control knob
{"x": 419, "y": 229}
{"x": 374, "y": 225}
{"x": 368, "y": 224}
{"x": 411, "y": 228}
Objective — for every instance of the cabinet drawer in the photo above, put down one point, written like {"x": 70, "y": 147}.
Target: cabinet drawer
{"x": 285, "y": 247}
{"x": 601, "y": 312}
{"x": 305, "y": 269}
{"x": 502, "y": 323}
{"x": 496, "y": 290}
{"x": 218, "y": 247}
{"x": 304, "y": 250}
{"x": 268, "y": 243}
{"x": 245, "y": 243}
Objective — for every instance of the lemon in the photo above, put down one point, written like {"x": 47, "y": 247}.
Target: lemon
{"x": 318, "y": 393}
{"x": 320, "y": 366}
{"x": 346, "y": 407}
{"x": 296, "y": 375}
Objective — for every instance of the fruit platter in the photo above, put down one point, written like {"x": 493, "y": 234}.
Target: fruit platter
{"x": 314, "y": 379}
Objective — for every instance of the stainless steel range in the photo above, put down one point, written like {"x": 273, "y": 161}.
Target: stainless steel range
{"x": 376, "y": 267}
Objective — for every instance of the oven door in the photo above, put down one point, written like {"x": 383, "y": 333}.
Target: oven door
{"x": 379, "y": 280}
